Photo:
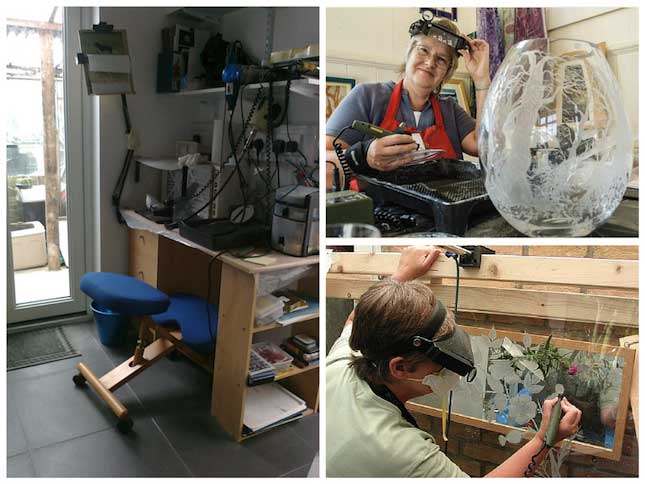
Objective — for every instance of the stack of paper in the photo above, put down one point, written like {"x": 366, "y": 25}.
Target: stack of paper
{"x": 269, "y": 404}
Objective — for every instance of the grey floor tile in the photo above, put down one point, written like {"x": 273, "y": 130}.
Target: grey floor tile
{"x": 282, "y": 447}
{"x": 299, "y": 472}
{"x": 308, "y": 429}
{"x": 16, "y": 442}
{"x": 109, "y": 453}
{"x": 20, "y": 466}
{"x": 208, "y": 450}
{"x": 52, "y": 409}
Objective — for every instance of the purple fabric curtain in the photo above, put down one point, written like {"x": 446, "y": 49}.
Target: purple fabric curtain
{"x": 502, "y": 27}
{"x": 529, "y": 23}
{"x": 489, "y": 28}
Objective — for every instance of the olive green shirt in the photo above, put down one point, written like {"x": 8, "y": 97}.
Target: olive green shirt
{"x": 367, "y": 436}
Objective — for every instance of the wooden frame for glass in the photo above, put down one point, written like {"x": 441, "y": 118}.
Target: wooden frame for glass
{"x": 351, "y": 274}
{"x": 627, "y": 354}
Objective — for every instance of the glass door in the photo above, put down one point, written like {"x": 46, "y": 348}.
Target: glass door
{"x": 45, "y": 199}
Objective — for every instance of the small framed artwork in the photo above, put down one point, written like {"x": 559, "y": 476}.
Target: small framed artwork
{"x": 456, "y": 88}
{"x": 336, "y": 88}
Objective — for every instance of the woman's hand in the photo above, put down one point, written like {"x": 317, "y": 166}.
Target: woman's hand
{"x": 415, "y": 262}
{"x": 388, "y": 153}
{"x": 477, "y": 62}
{"x": 569, "y": 420}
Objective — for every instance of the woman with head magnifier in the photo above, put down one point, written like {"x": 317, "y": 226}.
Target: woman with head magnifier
{"x": 400, "y": 343}
{"x": 431, "y": 121}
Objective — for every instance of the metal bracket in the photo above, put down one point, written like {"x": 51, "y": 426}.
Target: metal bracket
{"x": 474, "y": 258}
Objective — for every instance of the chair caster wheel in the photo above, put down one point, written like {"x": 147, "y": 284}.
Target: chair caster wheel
{"x": 79, "y": 380}
{"x": 124, "y": 426}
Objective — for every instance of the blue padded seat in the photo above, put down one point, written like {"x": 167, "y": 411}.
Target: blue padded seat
{"x": 189, "y": 312}
{"x": 124, "y": 294}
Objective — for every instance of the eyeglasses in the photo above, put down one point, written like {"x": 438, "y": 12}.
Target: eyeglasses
{"x": 426, "y": 53}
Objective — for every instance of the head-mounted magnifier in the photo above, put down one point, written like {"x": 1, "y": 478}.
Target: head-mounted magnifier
{"x": 453, "y": 351}
{"x": 435, "y": 31}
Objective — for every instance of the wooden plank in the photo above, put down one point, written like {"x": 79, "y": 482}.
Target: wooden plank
{"x": 144, "y": 249}
{"x": 547, "y": 270}
{"x": 632, "y": 342}
{"x": 279, "y": 261}
{"x": 123, "y": 373}
{"x": 582, "y": 447}
{"x": 292, "y": 371}
{"x": 300, "y": 319}
{"x": 565, "y": 306}
{"x": 234, "y": 335}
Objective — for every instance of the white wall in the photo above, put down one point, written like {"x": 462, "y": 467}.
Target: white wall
{"x": 161, "y": 119}
{"x": 368, "y": 44}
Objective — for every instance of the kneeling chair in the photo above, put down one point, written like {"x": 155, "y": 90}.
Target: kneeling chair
{"x": 159, "y": 315}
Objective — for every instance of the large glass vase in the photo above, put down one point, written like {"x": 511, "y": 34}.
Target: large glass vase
{"x": 554, "y": 140}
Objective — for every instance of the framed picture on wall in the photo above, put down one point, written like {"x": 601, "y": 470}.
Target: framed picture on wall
{"x": 456, "y": 88}
{"x": 336, "y": 88}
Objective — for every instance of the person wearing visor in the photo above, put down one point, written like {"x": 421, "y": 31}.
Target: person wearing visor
{"x": 431, "y": 121}
{"x": 399, "y": 343}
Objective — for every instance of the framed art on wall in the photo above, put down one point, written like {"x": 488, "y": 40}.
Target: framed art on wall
{"x": 336, "y": 88}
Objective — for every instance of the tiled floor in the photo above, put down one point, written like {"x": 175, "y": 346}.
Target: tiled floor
{"x": 57, "y": 430}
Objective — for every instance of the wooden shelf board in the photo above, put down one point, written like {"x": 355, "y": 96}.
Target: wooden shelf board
{"x": 267, "y": 327}
{"x": 293, "y": 370}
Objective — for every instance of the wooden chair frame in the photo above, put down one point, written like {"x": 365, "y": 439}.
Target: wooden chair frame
{"x": 351, "y": 274}
{"x": 164, "y": 342}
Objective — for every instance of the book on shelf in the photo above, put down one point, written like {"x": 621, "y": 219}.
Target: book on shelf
{"x": 269, "y": 404}
{"x": 296, "y": 352}
{"x": 292, "y": 300}
{"x": 304, "y": 364}
{"x": 311, "y": 310}
{"x": 305, "y": 342}
{"x": 273, "y": 354}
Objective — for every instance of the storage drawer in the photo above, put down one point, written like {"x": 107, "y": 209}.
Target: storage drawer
{"x": 144, "y": 250}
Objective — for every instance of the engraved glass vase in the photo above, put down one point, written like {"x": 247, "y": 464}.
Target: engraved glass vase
{"x": 554, "y": 140}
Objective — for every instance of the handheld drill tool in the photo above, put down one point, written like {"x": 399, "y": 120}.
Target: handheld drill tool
{"x": 550, "y": 438}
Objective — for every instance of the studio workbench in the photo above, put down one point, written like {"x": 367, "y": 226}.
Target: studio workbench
{"x": 174, "y": 264}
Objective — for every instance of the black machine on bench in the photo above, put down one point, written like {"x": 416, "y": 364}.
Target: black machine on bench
{"x": 449, "y": 191}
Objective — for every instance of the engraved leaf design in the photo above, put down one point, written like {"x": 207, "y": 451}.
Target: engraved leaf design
{"x": 502, "y": 440}
{"x": 527, "y": 339}
{"x": 514, "y": 437}
{"x": 500, "y": 401}
{"x": 522, "y": 409}
{"x": 531, "y": 383}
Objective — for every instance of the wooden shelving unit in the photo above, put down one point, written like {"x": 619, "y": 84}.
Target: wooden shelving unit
{"x": 235, "y": 337}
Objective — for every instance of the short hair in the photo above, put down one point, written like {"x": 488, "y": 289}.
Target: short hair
{"x": 387, "y": 315}
{"x": 454, "y": 57}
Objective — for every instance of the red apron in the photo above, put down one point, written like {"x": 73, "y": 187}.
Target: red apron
{"x": 434, "y": 137}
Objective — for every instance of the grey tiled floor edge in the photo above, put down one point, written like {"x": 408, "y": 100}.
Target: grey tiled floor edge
{"x": 57, "y": 430}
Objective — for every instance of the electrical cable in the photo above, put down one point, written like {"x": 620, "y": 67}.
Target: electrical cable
{"x": 340, "y": 154}
{"x": 456, "y": 259}
{"x": 531, "y": 468}
{"x": 208, "y": 293}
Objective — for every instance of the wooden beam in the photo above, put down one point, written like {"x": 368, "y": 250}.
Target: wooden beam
{"x": 535, "y": 270}
{"x": 34, "y": 25}
{"x": 566, "y": 306}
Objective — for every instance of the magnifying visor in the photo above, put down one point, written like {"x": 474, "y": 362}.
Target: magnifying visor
{"x": 452, "y": 351}
{"x": 435, "y": 31}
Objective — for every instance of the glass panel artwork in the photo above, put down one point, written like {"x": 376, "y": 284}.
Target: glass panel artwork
{"x": 516, "y": 373}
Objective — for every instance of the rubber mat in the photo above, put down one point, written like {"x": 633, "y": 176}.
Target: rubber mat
{"x": 37, "y": 347}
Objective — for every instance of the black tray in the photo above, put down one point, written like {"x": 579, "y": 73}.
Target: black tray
{"x": 450, "y": 191}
